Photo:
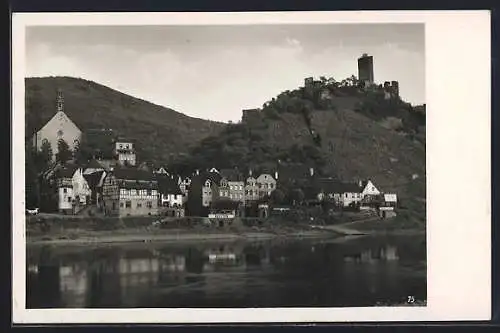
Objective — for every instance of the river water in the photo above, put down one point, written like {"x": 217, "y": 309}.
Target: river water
{"x": 287, "y": 273}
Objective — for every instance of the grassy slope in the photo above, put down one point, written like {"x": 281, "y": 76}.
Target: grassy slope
{"x": 159, "y": 131}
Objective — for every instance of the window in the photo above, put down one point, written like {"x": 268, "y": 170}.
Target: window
{"x": 149, "y": 204}
{"x": 65, "y": 190}
{"x": 121, "y": 146}
{"x": 149, "y": 192}
{"x": 69, "y": 199}
{"x": 272, "y": 185}
{"x": 121, "y": 204}
{"x": 133, "y": 192}
{"x": 139, "y": 205}
{"x": 128, "y": 204}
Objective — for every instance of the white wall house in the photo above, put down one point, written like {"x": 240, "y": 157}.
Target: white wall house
{"x": 266, "y": 184}
{"x": 369, "y": 189}
{"x": 172, "y": 200}
{"x": 390, "y": 199}
{"x": 72, "y": 189}
{"x": 125, "y": 152}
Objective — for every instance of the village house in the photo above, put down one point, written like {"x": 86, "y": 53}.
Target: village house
{"x": 223, "y": 212}
{"x": 161, "y": 171}
{"x": 59, "y": 127}
{"x": 184, "y": 185}
{"x": 130, "y": 192}
{"x": 266, "y": 184}
{"x": 232, "y": 185}
{"x": 124, "y": 152}
{"x": 203, "y": 190}
{"x": 73, "y": 191}
{"x": 368, "y": 189}
{"x": 93, "y": 166}
{"x": 390, "y": 200}
{"x": 251, "y": 189}
{"x": 170, "y": 193}
{"x": 341, "y": 194}
{"x": 95, "y": 181}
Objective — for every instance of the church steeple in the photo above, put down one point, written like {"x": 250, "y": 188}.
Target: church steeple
{"x": 60, "y": 100}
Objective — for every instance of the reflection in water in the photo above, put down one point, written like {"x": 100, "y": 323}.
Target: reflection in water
{"x": 260, "y": 274}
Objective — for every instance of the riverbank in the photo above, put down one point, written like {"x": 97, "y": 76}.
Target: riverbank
{"x": 138, "y": 235}
{"x": 60, "y": 230}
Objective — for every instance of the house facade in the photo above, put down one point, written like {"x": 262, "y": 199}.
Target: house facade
{"x": 124, "y": 151}
{"x": 251, "y": 189}
{"x": 170, "y": 193}
{"x": 60, "y": 126}
{"x": 266, "y": 184}
{"x": 368, "y": 189}
{"x": 73, "y": 191}
{"x": 130, "y": 192}
{"x": 232, "y": 185}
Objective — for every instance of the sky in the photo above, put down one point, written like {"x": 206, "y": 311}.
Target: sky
{"x": 214, "y": 72}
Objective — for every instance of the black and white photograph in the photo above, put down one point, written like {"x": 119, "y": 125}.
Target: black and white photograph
{"x": 227, "y": 166}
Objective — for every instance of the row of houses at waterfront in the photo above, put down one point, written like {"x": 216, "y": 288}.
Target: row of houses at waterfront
{"x": 114, "y": 184}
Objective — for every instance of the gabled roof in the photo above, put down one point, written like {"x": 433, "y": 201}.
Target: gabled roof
{"x": 213, "y": 176}
{"x": 94, "y": 164}
{"x": 133, "y": 174}
{"x": 128, "y": 184}
{"x": 232, "y": 175}
{"x": 67, "y": 171}
{"x": 167, "y": 185}
{"x": 93, "y": 179}
{"x": 333, "y": 186}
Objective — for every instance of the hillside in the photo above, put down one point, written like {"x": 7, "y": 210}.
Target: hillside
{"x": 351, "y": 134}
{"x": 160, "y": 133}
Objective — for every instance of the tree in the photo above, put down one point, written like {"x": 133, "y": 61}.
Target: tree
{"x": 277, "y": 196}
{"x": 297, "y": 195}
{"x": 43, "y": 158}
{"x": 83, "y": 152}
{"x": 64, "y": 154}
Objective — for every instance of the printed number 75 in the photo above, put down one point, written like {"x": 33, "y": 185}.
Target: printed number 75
{"x": 411, "y": 299}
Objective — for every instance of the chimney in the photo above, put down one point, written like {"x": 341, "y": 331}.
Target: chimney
{"x": 250, "y": 172}
{"x": 311, "y": 171}
{"x": 276, "y": 175}
{"x": 197, "y": 172}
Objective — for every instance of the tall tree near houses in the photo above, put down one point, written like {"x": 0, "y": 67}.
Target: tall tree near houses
{"x": 64, "y": 154}
{"x": 43, "y": 158}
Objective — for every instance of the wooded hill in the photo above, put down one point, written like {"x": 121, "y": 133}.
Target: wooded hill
{"x": 161, "y": 133}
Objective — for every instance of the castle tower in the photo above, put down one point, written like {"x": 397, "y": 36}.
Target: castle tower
{"x": 365, "y": 69}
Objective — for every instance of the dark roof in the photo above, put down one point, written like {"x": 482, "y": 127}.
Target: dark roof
{"x": 224, "y": 204}
{"x": 334, "y": 186}
{"x": 213, "y": 176}
{"x": 127, "y": 184}
{"x": 94, "y": 164}
{"x": 67, "y": 171}
{"x": 93, "y": 179}
{"x": 232, "y": 175}
{"x": 167, "y": 185}
{"x": 133, "y": 174}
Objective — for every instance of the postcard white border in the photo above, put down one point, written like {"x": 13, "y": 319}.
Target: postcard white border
{"x": 458, "y": 92}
